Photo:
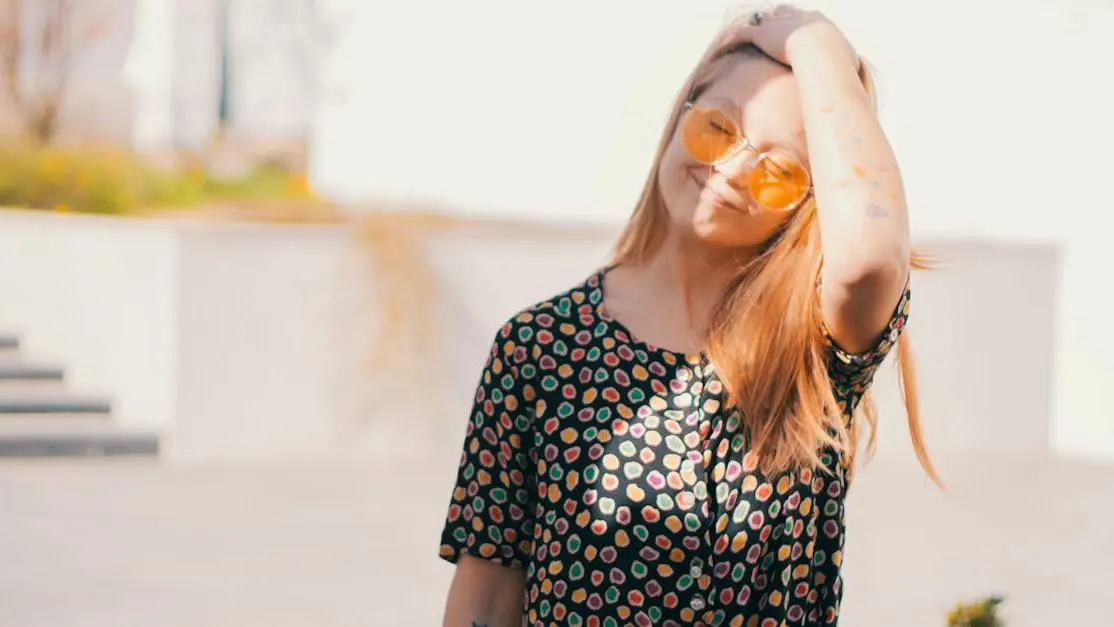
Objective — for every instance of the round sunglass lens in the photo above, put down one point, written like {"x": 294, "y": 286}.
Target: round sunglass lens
{"x": 708, "y": 134}
{"x": 778, "y": 181}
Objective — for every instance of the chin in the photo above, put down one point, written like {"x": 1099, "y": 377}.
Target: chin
{"x": 722, "y": 226}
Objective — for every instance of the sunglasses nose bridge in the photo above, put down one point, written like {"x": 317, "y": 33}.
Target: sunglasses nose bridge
{"x": 738, "y": 161}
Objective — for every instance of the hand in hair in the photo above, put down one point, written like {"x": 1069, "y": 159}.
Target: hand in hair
{"x": 786, "y": 30}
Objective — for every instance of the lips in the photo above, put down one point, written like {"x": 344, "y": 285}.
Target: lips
{"x": 720, "y": 197}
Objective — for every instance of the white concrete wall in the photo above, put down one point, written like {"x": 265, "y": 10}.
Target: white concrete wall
{"x": 270, "y": 336}
{"x": 503, "y": 109}
{"x": 238, "y": 343}
{"x": 249, "y": 342}
{"x": 97, "y": 296}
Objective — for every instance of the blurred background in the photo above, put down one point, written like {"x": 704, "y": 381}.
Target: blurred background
{"x": 253, "y": 252}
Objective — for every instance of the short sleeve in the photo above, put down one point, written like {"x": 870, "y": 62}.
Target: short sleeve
{"x": 852, "y": 373}
{"x": 491, "y": 512}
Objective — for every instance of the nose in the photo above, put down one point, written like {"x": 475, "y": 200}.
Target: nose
{"x": 734, "y": 168}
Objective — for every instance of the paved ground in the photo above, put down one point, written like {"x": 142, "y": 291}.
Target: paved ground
{"x": 136, "y": 544}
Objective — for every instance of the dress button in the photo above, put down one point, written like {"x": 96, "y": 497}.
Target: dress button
{"x": 697, "y": 603}
{"x": 696, "y": 569}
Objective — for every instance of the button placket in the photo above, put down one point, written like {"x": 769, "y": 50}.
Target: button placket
{"x": 696, "y": 568}
{"x": 701, "y": 567}
{"x": 697, "y": 603}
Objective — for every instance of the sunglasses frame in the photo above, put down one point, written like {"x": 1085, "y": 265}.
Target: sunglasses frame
{"x": 742, "y": 142}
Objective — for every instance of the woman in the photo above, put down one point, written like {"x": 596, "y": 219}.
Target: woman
{"x": 670, "y": 442}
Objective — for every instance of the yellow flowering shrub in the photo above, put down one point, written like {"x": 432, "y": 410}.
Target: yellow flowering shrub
{"x": 981, "y": 613}
{"x": 107, "y": 180}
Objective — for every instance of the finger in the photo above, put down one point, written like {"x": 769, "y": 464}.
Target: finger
{"x": 753, "y": 18}
{"x": 742, "y": 26}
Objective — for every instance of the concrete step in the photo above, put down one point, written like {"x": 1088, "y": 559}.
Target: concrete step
{"x": 17, "y": 372}
{"x": 18, "y": 399}
{"x": 9, "y": 344}
{"x": 72, "y": 435}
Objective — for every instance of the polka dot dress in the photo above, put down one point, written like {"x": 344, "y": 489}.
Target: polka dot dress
{"x": 615, "y": 475}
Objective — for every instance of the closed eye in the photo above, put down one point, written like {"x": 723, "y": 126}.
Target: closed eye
{"x": 721, "y": 129}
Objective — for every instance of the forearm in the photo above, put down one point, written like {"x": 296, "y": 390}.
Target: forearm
{"x": 480, "y": 611}
{"x": 465, "y": 621}
{"x": 485, "y": 595}
{"x": 859, "y": 193}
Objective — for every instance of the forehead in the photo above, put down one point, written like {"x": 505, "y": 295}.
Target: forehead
{"x": 763, "y": 96}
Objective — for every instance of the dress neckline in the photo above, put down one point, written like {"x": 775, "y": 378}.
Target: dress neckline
{"x": 596, "y": 285}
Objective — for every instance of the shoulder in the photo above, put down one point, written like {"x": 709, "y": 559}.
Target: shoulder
{"x": 852, "y": 374}
{"x": 531, "y": 341}
{"x": 566, "y": 312}
{"x": 886, "y": 340}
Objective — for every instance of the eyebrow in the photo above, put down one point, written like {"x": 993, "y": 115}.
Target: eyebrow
{"x": 796, "y": 143}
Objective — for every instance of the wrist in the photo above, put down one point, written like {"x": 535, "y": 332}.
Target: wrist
{"x": 821, "y": 46}
{"x": 827, "y": 74}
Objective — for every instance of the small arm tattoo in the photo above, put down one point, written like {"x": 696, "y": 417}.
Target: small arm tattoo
{"x": 877, "y": 211}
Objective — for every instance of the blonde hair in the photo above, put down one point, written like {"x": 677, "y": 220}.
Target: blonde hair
{"x": 781, "y": 383}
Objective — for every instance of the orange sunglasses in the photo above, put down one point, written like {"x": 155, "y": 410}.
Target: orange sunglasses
{"x": 776, "y": 179}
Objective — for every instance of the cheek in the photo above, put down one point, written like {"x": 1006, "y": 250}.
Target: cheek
{"x": 674, "y": 178}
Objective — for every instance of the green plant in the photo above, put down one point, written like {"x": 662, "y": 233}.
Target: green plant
{"x": 106, "y": 180}
{"x": 981, "y": 613}
{"x": 95, "y": 180}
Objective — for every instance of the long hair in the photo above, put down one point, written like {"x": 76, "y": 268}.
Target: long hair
{"x": 780, "y": 383}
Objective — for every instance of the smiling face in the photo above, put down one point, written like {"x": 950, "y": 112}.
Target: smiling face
{"x": 715, "y": 203}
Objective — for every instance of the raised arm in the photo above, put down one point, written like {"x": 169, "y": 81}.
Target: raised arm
{"x": 860, "y": 198}
{"x": 484, "y": 594}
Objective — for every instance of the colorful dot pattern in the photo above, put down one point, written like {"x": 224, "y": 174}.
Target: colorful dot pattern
{"x": 614, "y": 474}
